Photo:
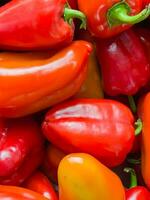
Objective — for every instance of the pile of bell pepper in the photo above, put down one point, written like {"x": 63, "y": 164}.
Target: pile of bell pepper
{"x": 74, "y": 100}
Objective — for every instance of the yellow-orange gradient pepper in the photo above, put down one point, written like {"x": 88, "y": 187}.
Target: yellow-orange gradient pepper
{"x": 30, "y": 83}
{"x": 82, "y": 177}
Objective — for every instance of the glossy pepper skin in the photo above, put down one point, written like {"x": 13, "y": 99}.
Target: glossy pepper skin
{"x": 100, "y": 127}
{"x": 37, "y": 79}
{"x": 124, "y": 64}
{"x": 136, "y": 192}
{"x": 109, "y": 18}
{"x": 21, "y": 150}
{"x": 144, "y": 33}
{"x": 34, "y": 24}
{"x": 52, "y": 158}
{"x": 143, "y": 110}
{"x": 92, "y": 86}
{"x": 81, "y": 176}
{"x": 18, "y": 193}
{"x": 39, "y": 183}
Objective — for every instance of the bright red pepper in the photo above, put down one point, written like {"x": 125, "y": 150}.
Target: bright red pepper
{"x": 55, "y": 78}
{"x": 108, "y": 18}
{"x": 21, "y": 150}
{"x": 102, "y": 128}
{"x": 18, "y": 193}
{"x": 124, "y": 64}
{"x": 143, "y": 111}
{"x": 36, "y": 24}
{"x": 38, "y": 182}
{"x": 136, "y": 192}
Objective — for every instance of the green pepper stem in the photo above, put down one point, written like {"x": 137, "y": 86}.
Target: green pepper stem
{"x": 119, "y": 14}
{"x": 133, "y": 182}
{"x": 134, "y": 161}
{"x": 132, "y": 104}
{"x": 70, "y": 14}
{"x": 138, "y": 127}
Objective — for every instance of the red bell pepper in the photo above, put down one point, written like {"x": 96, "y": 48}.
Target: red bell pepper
{"x": 55, "y": 78}
{"x": 21, "y": 150}
{"x": 37, "y": 24}
{"x": 38, "y": 182}
{"x": 124, "y": 64}
{"x": 136, "y": 192}
{"x": 143, "y": 111}
{"x": 108, "y": 18}
{"x": 144, "y": 33}
{"x": 18, "y": 193}
{"x": 73, "y": 3}
{"x": 102, "y": 128}
{"x": 81, "y": 176}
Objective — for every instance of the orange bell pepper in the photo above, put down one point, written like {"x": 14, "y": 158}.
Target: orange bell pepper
{"x": 51, "y": 162}
{"x": 143, "y": 110}
{"x": 81, "y": 176}
{"x": 38, "y": 182}
{"x": 91, "y": 87}
{"x": 30, "y": 84}
{"x": 18, "y": 193}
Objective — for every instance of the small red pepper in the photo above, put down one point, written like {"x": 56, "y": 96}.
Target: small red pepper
{"x": 102, "y": 128}
{"x": 21, "y": 150}
{"x": 37, "y": 24}
{"x": 18, "y": 193}
{"x": 136, "y": 192}
{"x": 108, "y": 18}
{"x": 38, "y": 182}
{"x": 124, "y": 64}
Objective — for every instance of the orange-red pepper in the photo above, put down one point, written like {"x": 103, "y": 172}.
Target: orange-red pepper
{"x": 52, "y": 158}
{"x": 30, "y": 84}
{"x": 144, "y": 113}
{"x": 18, "y": 193}
{"x": 81, "y": 176}
{"x": 38, "y": 182}
{"x": 92, "y": 86}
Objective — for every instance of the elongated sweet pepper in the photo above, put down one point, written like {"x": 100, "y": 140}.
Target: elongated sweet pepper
{"x": 81, "y": 176}
{"x": 29, "y": 84}
{"x": 124, "y": 64}
{"x": 52, "y": 158}
{"x": 18, "y": 193}
{"x": 37, "y": 24}
{"x": 21, "y": 150}
{"x": 144, "y": 107}
{"x": 108, "y": 18}
{"x": 136, "y": 192}
{"x": 38, "y": 182}
{"x": 103, "y": 128}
